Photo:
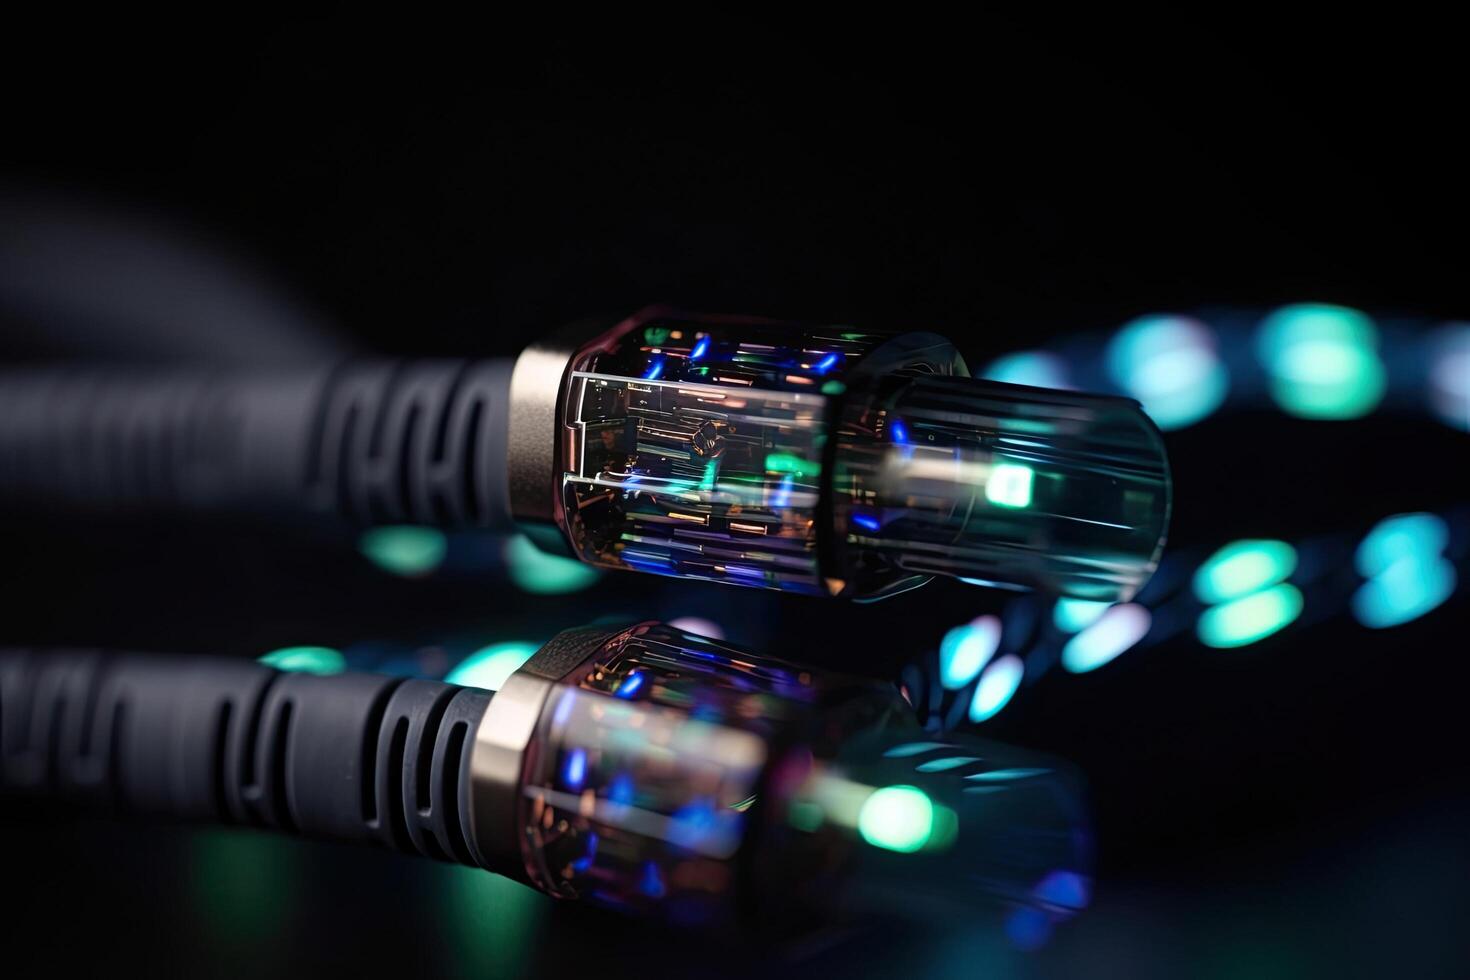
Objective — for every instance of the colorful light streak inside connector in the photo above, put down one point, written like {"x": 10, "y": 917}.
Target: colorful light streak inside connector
{"x": 866, "y": 522}
{"x": 701, "y": 348}
{"x": 1009, "y": 485}
{"x": 630, "y": 685}
{"x": 789, "y": 463}
{"x": 574, "y": 769}
{"x": 655, "y": 370}
{"x": 898, "y": 431}
{"x": 827, "y": 363}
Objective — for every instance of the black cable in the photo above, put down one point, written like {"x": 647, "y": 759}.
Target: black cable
{"x": 389, "y": 442}
{"x": 350, "y": 757}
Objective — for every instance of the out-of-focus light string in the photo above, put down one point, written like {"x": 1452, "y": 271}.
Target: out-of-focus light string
{"x": 1313, "y": 361}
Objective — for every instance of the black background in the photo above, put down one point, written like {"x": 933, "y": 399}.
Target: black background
{"x": 445, "y": 187}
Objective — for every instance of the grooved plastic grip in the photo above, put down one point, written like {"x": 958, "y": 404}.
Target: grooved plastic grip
{"x": 350, "y": 757}
{"x": 400, "y": 442}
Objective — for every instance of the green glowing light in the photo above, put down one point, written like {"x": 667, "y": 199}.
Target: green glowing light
{"x": 1074, "y": 615}
{"x": 493, "y": 926}
{"x": 539, "y": 573}
{"x": 805, "y": 815}
{"x": 1422, "y": 536}
{"x": 833, "y": 388}
{"x": 1244, "y": 621}
{"x": 710, "y": 470}
{"x": 1323, "y": 361}
{"x": 245, "y": 888}
{"x": 1243, "y": 567}
{"x": 1010, "y": 485}
{"x": 1404, "y": 591}
{"x": 897, "y": 818}
{"x": 404, "y": 549}
{"x": 306, "y": 660}
{"x": 490, "y": 667}
{"x": 788, "y": 463}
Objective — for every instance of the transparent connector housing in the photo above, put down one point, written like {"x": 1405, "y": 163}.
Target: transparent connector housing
{"x": 673, "y": 775}
{"x": 836, "y": 462}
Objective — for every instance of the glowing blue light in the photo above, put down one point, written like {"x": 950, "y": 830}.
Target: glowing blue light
{"x": 965, "y": 650}
{"x": 654, "y": 371}
{"x": 1323, "y": 361}
{"x": 1028, "y": 928}
{"x": 1064, "y": 889}
{"x": 630, "y": 686}
{"x": 898, "y": 432}
{"x": 1404, "y": 591}
{"x": 997, "y": 685}
{"x": 941, "y": 765}
{"x": 491, "y": 666}
{"x": 1170, "y": 364}
{"x": 574, "y": 770}
{"x": 866, "y": 522}
{"x": 1072, "y": 615}
{"x": 1449, "y": 375}
{"x": 1117, "y": 630}
{"x": 589, "y": 854}
{"x": 652, "y": 883}
{"x": 1006, "y": 775}
{"x": 621, "y": 789}
{"x": 914, "y": 748}
{"x": 782, "y": 496}
{"x": 700, "y": 349}
{"x": 1036, "y": 368}
{"x": 826, "y": 364}
{"x": 1422, "y": 536}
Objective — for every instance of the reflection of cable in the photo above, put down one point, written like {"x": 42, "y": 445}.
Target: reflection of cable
{"x": 1311, "y": 361}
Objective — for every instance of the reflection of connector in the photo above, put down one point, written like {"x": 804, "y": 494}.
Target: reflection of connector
{"x": 640, "y": 768}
